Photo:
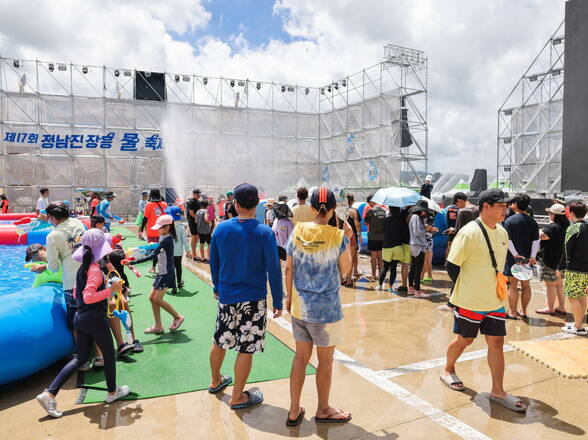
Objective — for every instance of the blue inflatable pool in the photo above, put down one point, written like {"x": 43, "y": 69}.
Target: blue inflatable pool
{"x": 33, "y": 329}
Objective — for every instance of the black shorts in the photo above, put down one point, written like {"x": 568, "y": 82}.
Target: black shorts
{"x": 467, "y": 323}
{"x": 375, "y": 245}
{"x": 162, "y": 282}
{"x": 241, "y": 326}
{"x": 204, "y": 238}
{"x": 193, "y": 226}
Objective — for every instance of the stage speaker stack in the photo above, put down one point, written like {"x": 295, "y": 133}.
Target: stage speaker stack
{"x": 479, "y": 182}
{"x": 406, "y": 139}
{"x": 574, "y": 163}
{"x": 150, "y": 86}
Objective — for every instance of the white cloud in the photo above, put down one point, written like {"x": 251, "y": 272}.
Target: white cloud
{"x": 476, "y": 49}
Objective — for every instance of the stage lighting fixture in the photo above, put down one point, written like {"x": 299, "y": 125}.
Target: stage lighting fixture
{"x": 533, "y": 78}
{"x": 186, "y": 78}
{"x": 508, "y": 112}
{"x": 329, "y": 89}
{"x": 556, "y": 72}
{"x": 258, "y": 86}
{"x": 232, "y": 83}
{"x": 84, "y": 70}
{"x": 241, "y": 83}
{"x": 177, "y": 78}
{"x": 336, "y": 85}
{"x": 16, "y": 63}
{"x": 117, "y": 73}
{"x": 148, "y": 74}
{"x": 204, "y": 80}
{"x": 306, "y": 90}
{"x": 290, "y": 88}
{"x": 283, "y": 88}
{"x": 507, "y": 140}
{"x": 557, "y": 41}
{"x": 127, "y": 73}
{"x": 51, "y": 67}
{"x": 344, "y": 83}
{"x": 322, "y": 90}
{"x": 62, "y": 67}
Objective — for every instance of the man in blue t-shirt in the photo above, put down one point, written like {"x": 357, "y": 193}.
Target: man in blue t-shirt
{"x": 243, "y": 256}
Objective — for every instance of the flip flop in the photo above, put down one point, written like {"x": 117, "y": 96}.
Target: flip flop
{"x": 297, "y": 421}
{"x": 510, "y": 402}
{"x": 255, "y": 398}
{"x": 522, "y": 315}
{"x": 450, "y": 380}
{"x": 331, "y": 420}
{"x": 545, "y": 311}
{"x": 153, "y": 330}
{"x": 225, "y": 382}
{"x": 176, "y": 324}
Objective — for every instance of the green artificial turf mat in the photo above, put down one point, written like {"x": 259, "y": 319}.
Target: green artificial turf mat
{"x": 177, "y": 362}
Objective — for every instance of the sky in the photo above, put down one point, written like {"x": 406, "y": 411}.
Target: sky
{"x": 477, "y": 49}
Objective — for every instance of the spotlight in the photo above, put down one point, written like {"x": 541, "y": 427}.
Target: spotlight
{"x": 117, "y": 73}
{"x": 283, "y": 88}
{"x": 84, "y": 70}
{"x": 344, "y": 83}
{"x": 16, "y": 63}
{"x": 329, "y": 89}
{"x": 322, "y": 90}
{"x": 290, "y": 88}
{"x": 258, "y": 86}
{"x": 177, "y": 78}
{"x": 148, "y": 74}
{"x": 62, "y": 67}
{"x": 556, "y": 72}
{"x": 507, "y": 140}
{"x": 127, "y": 73}
{"x": 51, "y": 67}
{"x": 336, "y": 85}
{"x": 204, "y": 80}
{"x": 508, "y": 112}
{"x": 241, "y": 83}
{"x": 533, "y": 78}
{"x": 186, "y": 78}
{"x": 232, "y": 83}
{"x": 557, "y": 41}
{"x": 306, "y": 91}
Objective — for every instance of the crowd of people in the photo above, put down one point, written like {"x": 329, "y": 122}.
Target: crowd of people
{"x": 316, "y": 243}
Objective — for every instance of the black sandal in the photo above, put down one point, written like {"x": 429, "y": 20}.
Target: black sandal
{"x": 297, "y": 421}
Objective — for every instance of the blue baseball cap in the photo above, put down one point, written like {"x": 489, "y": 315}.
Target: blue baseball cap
{"x": 246, "y": 195}
{"x": 174, "y": 211}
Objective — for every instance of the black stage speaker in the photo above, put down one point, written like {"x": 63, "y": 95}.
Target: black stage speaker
{"x": 150, "y": 86}
{"x": 479, "y": 182}
{"x": 574, "y": 161}
{"x": 406, "y": 140}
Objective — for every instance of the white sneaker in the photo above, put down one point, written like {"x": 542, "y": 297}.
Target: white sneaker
{"x": 120, "y": 393}
{"x": 48, "y": 403}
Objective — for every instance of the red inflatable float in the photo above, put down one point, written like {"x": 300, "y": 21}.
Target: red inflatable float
{"x": 17, "y": 216}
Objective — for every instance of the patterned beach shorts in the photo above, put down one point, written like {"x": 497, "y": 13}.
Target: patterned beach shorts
{"x": 241, "y": 326}
{"x": 575, "y": 284}
{"x": 547, "y": 273}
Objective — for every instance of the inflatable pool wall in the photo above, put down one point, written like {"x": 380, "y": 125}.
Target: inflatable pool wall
{"x": 33, "y": 331}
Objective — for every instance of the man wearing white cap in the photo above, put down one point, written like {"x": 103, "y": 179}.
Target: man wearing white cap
{"x": 427, "y": 187}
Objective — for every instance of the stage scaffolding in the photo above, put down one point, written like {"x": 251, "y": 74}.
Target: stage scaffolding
{"x": 529, "y": 141}
{"x": 359, "y": 132}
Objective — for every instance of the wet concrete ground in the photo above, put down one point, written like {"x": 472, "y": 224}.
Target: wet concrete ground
{"x": 386, "y": 375}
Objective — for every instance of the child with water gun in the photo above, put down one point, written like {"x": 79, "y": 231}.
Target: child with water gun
{"x": 91, "y": 325}
{"x": 180, "y": 245}
{"x": 165, "y": 278}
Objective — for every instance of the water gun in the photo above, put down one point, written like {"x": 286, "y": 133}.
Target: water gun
{"x": 117, "y": 238}
{"x": 140, "y": 252}
{"x": 25, "y": 225}
{"x": 46, "y": 276}
{"x": 125, "y": 319}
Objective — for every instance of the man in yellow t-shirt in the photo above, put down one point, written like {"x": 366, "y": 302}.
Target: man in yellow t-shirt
{"x": 477, "y": 306}
{"x": 303, "y": 211}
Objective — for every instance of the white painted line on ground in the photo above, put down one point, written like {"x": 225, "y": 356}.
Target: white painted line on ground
{"x": 471, "y": 355}
{"x": 389, "y": 300}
